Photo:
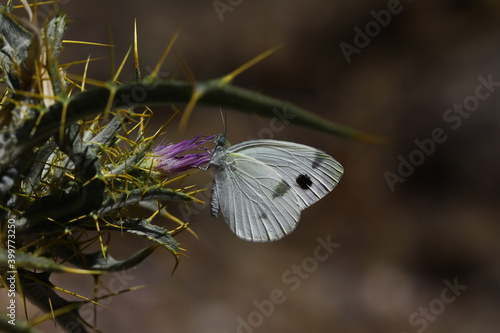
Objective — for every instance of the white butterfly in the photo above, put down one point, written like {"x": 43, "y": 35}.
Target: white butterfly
{"x": 261, "y": 186}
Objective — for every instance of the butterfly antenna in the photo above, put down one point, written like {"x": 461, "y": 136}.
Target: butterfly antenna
{"x": 223, "y": 116}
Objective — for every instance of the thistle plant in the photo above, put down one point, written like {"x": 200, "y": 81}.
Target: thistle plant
{"x": 77, "y": 167}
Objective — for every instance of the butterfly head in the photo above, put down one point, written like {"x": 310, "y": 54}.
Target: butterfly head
{"x": 220, "y": 150}
{"x": 221, "y": 146}
{"x": 221, "y": 140}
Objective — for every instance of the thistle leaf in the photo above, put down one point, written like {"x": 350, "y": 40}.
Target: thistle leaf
{"x": 137, "y": 196}
{"x": 150, "y": 231}
{"x": 15, "y": 43}
{"x": 29, "y": 261}
{"x": 97, "y": 261}
{"x": 94, "y": 101}
{"x": 40, "y": 291}
{"x": 55, "y": 30}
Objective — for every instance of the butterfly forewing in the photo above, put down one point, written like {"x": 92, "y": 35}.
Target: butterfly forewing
{"x": 311, "y": 172}
{"x": 258, "y": 204}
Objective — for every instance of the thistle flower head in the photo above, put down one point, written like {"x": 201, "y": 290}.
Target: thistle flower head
{"x": 172, "y": 158}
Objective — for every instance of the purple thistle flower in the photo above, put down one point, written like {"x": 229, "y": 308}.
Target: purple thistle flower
{"x": 169, "y": 158}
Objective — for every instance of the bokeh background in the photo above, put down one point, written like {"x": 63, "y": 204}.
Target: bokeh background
{"x": 397, "y": 246}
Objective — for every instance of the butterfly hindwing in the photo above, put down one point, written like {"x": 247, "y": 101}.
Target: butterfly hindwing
{"x": 257, "y": 203}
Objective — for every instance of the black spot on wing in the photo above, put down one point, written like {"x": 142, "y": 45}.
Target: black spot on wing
{"x": 263, "y": 216}
{"x": 304, "y": 181}
{"x": 318, "y": 159}
{"x": 281, "y": 189}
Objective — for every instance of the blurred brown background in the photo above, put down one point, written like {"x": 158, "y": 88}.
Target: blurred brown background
{"x": 397, "y": 247}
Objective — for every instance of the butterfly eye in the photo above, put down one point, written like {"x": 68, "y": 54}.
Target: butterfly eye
{"x": 221, "y": 141}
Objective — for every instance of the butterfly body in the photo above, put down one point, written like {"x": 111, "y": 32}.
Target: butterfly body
{"x": 261, "y": 186}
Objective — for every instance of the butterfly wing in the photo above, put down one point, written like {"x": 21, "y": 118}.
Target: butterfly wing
{"x": 257, "y": 203}
{"x": 311, "y": 172}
